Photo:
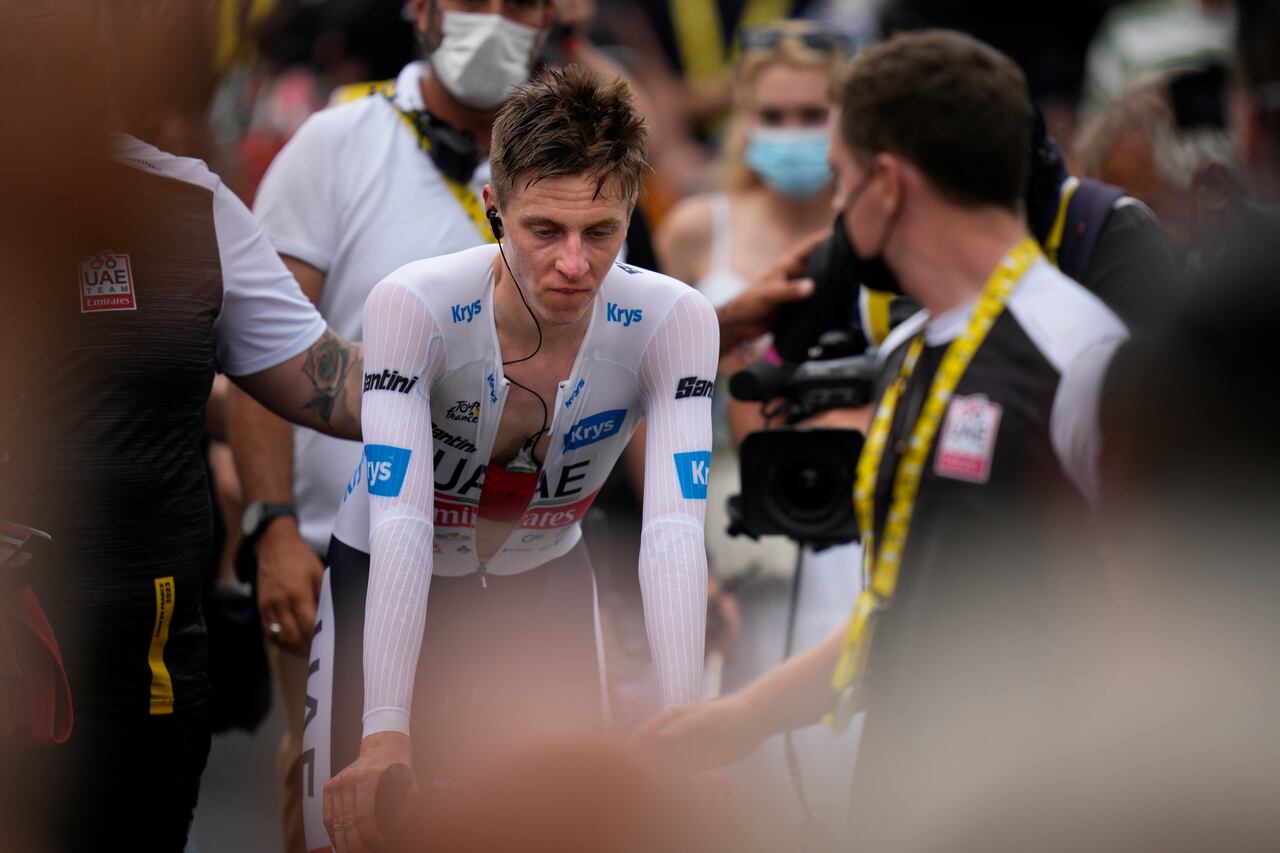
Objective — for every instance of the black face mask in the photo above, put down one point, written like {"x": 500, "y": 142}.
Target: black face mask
{"x": 872, "y": 272}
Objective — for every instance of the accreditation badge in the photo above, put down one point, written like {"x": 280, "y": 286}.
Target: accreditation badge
{"x": 968, "y": 439}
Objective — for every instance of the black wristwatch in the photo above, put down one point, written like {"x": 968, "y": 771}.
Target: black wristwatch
{"x": 253, "y": 523}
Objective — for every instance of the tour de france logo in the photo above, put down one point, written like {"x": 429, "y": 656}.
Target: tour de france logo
{"x": 106, "y": 283}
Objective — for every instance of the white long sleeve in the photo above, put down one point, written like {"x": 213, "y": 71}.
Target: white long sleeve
{"x": 676, "y": 374}
{"x": 400, "y": 336}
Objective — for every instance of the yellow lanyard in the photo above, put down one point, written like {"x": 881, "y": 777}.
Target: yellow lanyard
{"x": 462, "y": 192}
{"x": 1053, "y": 242}
{"x": 471, "y": 204}
{"x": 882, "y": 560}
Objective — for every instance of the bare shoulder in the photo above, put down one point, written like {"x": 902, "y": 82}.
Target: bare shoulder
{"x": 683, "y": 239}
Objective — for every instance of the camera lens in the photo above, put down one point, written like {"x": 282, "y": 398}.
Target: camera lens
{"x": 807, "y": 489}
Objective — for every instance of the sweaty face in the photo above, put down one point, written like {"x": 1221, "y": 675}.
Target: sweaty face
{"x": 561, "y": 238}
{"x": 793, "y": 96}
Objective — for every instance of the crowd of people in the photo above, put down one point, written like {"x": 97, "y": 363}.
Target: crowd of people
{"x": 395, "y": 389}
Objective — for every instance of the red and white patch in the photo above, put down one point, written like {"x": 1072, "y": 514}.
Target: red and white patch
{"x": 968, "y": 439}
{"x": 106, "y": 284}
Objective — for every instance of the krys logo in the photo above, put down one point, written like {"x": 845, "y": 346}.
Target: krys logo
{"x": 493, "y": 394}
{"x": 464, "y": 411}
{"x": 595, "y": 428}
{"x": 576, "y": 390}
{"x": 466, "y": 313}
{"x": 693, "y": 469}
{"x": 625, "y": 316}
{"x": 385, "y": 467}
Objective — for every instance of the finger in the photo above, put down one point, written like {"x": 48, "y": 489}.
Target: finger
{"x": 304, "y": 618}
{"x": 342, "y": 813}
{"x": 328, "y": 809}
{"x": 799, "y": 255}
{"x": 366, "y": 818}
{"x": 793, "y": 290}
{"x": 658, "y": 723}
{"x": 288, "y": 636}
{"x": 316, "y": 578}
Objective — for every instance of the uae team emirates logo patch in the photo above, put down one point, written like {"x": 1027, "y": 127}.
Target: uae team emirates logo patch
{"x": 106, "y": 284}
{"x": 968, "y": 439}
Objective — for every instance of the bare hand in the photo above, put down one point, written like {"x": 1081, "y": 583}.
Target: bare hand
{"x": 289, "y": 577}
{"x": 752, "y": 312}
{"x": 350, "y": 798}
{"x": 703, "y": 735}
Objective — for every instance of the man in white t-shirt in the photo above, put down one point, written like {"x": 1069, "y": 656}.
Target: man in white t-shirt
{"x": 391, "y": 173}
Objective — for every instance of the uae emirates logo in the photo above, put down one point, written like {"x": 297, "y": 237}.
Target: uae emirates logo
{"x": 106, "y": 283}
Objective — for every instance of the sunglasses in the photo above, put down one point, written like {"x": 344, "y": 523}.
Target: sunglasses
{"x": 770, "y": 38}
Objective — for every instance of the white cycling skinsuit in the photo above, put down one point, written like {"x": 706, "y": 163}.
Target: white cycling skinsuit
{"x": 433, "y": 399}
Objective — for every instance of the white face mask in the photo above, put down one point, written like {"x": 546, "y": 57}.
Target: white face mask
{"x": 482, "y": 57}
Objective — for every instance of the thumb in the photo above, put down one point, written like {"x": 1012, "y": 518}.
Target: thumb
{"x": 794, "y": 290}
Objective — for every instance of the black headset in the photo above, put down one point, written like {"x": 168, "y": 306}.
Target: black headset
{"x": 495, "y": 225}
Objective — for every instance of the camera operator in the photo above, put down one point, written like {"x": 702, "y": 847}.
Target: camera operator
{"x": 980, "y": 460}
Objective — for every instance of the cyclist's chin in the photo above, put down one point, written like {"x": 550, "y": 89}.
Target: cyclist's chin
{"x": 565, "y": 304}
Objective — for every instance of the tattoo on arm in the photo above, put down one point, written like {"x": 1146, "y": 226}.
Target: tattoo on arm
{"x": 327, "y": 365}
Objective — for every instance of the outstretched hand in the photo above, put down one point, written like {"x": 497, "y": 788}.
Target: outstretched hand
{"x": 751, "y": 313}
{"x": 701, "y": 736}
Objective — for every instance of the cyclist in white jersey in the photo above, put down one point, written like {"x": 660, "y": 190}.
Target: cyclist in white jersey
{"x": 501, "y": 386}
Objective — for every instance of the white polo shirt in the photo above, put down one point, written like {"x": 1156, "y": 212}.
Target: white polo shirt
{"x": 354, "y": 196}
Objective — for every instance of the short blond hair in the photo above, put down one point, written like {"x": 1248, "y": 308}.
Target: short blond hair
{"x": 567, "y": 121}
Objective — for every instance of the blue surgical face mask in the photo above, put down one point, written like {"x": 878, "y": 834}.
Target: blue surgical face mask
{"x": 790, "y": 160}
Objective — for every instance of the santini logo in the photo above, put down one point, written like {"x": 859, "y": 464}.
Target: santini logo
{"x": 389, "y": 380}
{"x": 625, "y": 316}
{"x": 466, "y": 313}
{"x": 693, "y": 469}
{"x": 385, "y": 467}
{"x": 594, "y": 428}
{"x": 692, "y": 386}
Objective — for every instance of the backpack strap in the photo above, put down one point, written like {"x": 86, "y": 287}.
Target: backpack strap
{"x": 1086, "y": 213}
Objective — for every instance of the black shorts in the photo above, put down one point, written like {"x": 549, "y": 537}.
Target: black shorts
{"x": 126, "y": 781}
{"x": 502, "y": 658}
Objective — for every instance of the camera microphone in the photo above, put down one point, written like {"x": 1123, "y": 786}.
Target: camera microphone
{"x": 758, "y": 382}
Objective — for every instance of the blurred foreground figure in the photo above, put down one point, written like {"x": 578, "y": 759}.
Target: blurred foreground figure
{"x": 572, "y": 796}
{"x": 143, "y": 276}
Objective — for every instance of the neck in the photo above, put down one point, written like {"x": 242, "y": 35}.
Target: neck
{"x": 798, "y": 216}
{"x": 517, "y": 333}
{"x": 444, "y": 106}
{"x": 952, "y": 258}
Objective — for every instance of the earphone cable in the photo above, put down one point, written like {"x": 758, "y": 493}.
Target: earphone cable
{"x": 533, "y": 439}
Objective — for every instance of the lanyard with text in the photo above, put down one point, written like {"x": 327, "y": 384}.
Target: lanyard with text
{"x": 464, "y": 194}
{"x": 882, "y": 560}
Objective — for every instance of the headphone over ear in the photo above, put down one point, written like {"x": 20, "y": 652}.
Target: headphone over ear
{"x": 495, "y": 222}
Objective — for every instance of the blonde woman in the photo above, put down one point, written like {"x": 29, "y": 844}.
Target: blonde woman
{"x": 777, "y": 184}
